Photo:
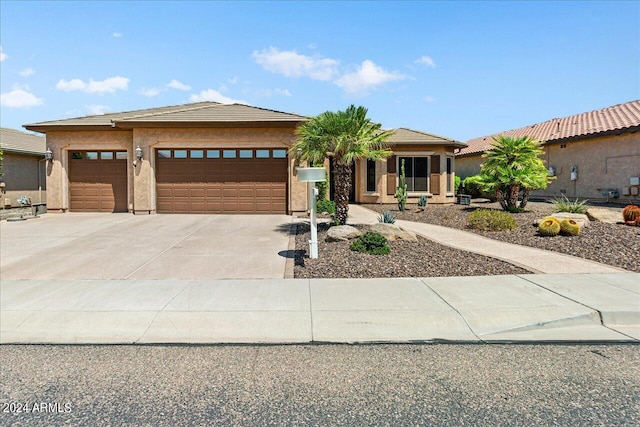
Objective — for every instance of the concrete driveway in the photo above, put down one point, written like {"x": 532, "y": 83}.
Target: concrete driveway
{"x": 125, "y": 246}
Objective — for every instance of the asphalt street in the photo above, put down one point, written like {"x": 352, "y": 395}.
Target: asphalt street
{"x": 321, "y": 385}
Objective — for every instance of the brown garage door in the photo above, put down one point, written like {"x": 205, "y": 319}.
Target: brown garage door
{"x": 98, "y": 181}
{"x": 221, "y": 181}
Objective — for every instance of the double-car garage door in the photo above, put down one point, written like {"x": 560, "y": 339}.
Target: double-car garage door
{"x": 221, "y": 181}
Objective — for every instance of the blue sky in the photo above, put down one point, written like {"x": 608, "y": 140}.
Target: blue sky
{"x": 458, "y": 69}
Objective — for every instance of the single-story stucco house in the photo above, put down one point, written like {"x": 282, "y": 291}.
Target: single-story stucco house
{"x": 593, "y": 155}
{"x": 23, "y": 167}
{"x": 213, "y": 158}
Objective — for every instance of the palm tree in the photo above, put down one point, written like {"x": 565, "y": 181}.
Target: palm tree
{"x": 513, "y": 165}
{"x": 345, "y": 136}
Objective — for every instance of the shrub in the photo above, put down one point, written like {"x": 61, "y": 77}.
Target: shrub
{"x": 371, "y": 243}
{"x": 456, "y": 183}
{"x": 422, "y": 201}
{"x": 328, "y": 206}
{"x": 563, "y": 204}
{"x": 549, "y": 226}
{"x": 569, "y": 227}
{"x": 491, "y": 220}
{"x": 472, "y": 186}
{"x": 387, "y": 218}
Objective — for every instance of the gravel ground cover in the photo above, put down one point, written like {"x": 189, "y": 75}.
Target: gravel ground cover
{"x": 422, "y": 259}
{"x": 613, "y": 244}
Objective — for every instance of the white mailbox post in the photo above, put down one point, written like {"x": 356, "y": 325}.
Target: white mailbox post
{"x": 311, "y": 176}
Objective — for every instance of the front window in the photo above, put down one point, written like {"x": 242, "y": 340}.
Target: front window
{"x": 450, "y": 174}
{"x": 371, "y": 175}
{"x": 416, "y": 171}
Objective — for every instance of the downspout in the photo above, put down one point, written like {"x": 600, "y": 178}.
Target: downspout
{"x": 40, "y": 180}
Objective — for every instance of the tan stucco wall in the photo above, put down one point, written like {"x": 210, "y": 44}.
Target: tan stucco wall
{"x": 23, "y": 175}
{"x": 603, "y": 163}
{"x": 381, "y": 196}
{"x": 141, "y": 178}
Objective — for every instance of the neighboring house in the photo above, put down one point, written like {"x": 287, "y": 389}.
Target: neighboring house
{"x": 593, "y": 155}
{"x": 23, "y": 167}
{"x": 204, "y": 158}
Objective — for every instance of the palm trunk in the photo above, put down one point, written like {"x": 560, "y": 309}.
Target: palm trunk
{"x": 342, "y": 182}
{"x": 512, "y": 202}
{"x": 525, "y": 198}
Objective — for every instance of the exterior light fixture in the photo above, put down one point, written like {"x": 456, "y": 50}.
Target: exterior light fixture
{"x": 48, "y": 155}
{"x": 2, "y": 187}
{"x": 138, "y": 153}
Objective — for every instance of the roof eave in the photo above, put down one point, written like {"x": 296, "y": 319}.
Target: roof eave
{"x": 179, "y": 124}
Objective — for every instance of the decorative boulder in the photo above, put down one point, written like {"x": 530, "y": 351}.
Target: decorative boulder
{"x": 609, "y": 216}
{"x": 342, "y": 233}
{"x": 393, "y": 232}
{"x": 581, "y": 219}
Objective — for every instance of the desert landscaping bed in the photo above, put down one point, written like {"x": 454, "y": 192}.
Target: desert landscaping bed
{"x": 613, "y": 244}
{"x": 422, "y": 259}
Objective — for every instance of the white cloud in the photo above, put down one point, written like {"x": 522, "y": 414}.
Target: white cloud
{"x": 368, "y": 76}
{"x": 233, "y": 80}
{"x": 426, "y": 60}
{"x": 429, "y": 99}
{"x": 150, "y": 91}
{"x": 117, "y": 35}
{"x": 20, "y": 97}
{"x": 177, "y": 85}
{"x": 3, "y": 55}
{"x": 97, "y": 110}
{"x": 109, "y": 85}
{"x": 292, "y": 64}
{"x": 215, "y": 96}
{"x": 267, "y": 93}
{"x": 27, "y": 72}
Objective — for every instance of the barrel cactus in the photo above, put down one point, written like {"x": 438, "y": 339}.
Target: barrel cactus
{"x": 631, "y": 214}
{"x": 549, "y": 226}
{"x": 569, "y": 227}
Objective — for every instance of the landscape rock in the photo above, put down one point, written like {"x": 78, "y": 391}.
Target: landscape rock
{"x": 341, "y": 233}
{"x": 393, "y": 232}
{"x": 581, "y": 219}
{"x": 609, "y": 216}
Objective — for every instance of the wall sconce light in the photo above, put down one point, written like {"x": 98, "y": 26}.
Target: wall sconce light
{"x": 138, "y": 153}
{"x": 48, "y": 155}
{"x": 2, "y": 187}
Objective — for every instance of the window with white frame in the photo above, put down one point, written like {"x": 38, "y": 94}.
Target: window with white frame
{"x": 416, "y": 171}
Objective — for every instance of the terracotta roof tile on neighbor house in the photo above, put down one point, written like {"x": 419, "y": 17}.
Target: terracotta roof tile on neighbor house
{"x": 197, "y": 113}
{"x": 14, "y": 141}
{"x": 611, "y": 119}
{"x": 409, "y": 136}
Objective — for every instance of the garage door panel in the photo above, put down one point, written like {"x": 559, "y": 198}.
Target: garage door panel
{"x": 98, "y": 185}
{"x": 221, "y": 185}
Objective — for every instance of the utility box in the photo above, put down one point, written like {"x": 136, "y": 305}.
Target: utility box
{"x": 464, "y": 199}
{"x": 613, "y": 194}
{"x": 634, "y": 180}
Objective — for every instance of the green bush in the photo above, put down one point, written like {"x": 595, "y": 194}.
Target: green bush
{"x": 456, "y": 184}
{"x": 473, "y": 188}
{"x": 328, "y": 206}
{"x": 371, "y": 243}
{"x": 491, "y": 220}
{"x": 563, "y": 204}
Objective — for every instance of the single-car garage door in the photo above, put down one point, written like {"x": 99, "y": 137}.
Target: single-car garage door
{"x": 98, "y": 181}
{"x": 221, "y": 181}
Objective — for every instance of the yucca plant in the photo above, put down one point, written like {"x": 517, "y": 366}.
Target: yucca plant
{"x": 563, "y": 204}
{"x": 387, "y": 218}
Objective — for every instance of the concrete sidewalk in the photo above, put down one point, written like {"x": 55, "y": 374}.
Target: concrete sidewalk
{"x": 522, "y": 308}
{"x": 532, "y": 259}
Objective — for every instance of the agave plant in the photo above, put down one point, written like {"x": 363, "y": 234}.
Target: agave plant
{"x": 387, "y": 218}
{"x": 563, "y": 204}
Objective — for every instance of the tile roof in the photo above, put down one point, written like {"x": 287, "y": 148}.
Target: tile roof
{"x": 410, "y": 136}
{"x": 14, "y": 141}
{"x": 201, "y": 112}
{"x": 615, "y": 118}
